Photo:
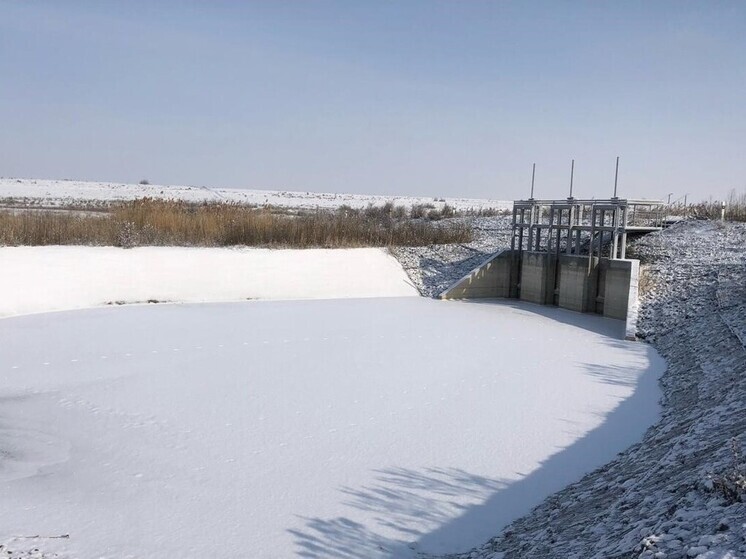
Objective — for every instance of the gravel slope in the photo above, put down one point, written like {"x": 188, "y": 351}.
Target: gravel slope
{"x": 676, "y": 494}
{"x": 433, "y": 268}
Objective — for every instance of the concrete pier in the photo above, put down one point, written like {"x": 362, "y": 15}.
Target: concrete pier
{"x": 577, "y": 283}
{"x": 536, "y": 283}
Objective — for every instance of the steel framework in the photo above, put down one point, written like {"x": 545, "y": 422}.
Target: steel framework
{"x": 567, "y": 226}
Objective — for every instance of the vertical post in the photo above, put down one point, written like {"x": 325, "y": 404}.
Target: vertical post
{"x": 590, "y": 244}
{"x": 615, "y": 232}
{"x": 559, "y": 227}
{"x": 521, "y": 230}
{"x": 533, "y": 176}
{"x": 553, "y": 253}
{"x": 577, "y": 221}
{"x": 722, "y": 211}
{"x": 624, "y": 234}
{"x": 512, "y": 240}
{"x": 616, "y": 175}
{"x": 572, "y": 173}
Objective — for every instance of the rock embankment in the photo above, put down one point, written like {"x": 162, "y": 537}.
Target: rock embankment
{"x": 434, "y": 268}
{"x": 681, "y": 492}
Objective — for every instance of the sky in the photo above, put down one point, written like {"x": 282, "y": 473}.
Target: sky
{"x": 407, "y": 97}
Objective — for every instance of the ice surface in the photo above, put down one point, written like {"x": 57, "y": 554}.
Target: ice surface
{"x": 343, "y": 428}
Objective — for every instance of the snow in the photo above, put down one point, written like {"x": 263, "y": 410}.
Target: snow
{"x": 65, "y": 193}
{"x": 39, "y": 279}
{"x": 341, "y": 428}
{"x": 659, "y": 499}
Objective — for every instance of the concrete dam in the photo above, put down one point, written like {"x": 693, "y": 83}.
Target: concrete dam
{"x": 570, "y": 254}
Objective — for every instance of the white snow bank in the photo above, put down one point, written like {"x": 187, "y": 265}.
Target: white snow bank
{"x": 39, "y": 279}
{"x": 322, "y": 429}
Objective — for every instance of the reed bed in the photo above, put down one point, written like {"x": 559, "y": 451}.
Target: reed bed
{"x": 149, "y": 222}
{"x": 735, "y": 209}
{"x": 734, "y": 206}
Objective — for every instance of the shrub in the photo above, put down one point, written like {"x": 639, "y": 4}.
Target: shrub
{"x": 418, "y": 211}
{"x": 433, "y": 215}
{"x": 127, "y": 236}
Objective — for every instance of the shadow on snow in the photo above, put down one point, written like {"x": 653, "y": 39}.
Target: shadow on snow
{"x": 405, "y": 499}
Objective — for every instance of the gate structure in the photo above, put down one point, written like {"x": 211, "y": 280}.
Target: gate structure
{"x": 569, "y": 253}
{"x": 590, "y": 227}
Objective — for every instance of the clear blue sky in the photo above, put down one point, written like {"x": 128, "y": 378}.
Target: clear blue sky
{"x": 389, "y": 97}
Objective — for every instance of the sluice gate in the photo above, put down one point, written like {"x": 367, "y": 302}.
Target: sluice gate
{"x": 570, "y": 254}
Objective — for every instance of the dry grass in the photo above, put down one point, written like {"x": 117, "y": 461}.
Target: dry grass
{"x": 734, "y": 205}
{"x": 157, "y": 222}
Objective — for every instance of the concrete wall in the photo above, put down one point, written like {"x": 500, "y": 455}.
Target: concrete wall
{"x": 619, "y": 280}
{"x": 608, "y": 287}
{"x": 492, "y": 278}
{"x": 537, "y": 278}
{"x": 633, "y": 301}
{"x": 577, "y": 284}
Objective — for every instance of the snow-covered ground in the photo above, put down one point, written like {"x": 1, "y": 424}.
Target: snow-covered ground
{"x": 663, "y": 498}
{"x": 345, "y": 428}
{"x": 40, "y": 279}
{"x": 65, "y": 193}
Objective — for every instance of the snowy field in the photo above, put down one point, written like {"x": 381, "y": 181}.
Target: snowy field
{"x": 65, "y": 193}
{"x": 53, "y": 278}
{"x": 346, "y": 428}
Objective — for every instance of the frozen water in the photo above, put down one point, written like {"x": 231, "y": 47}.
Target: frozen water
{"x": 344, "y": 428}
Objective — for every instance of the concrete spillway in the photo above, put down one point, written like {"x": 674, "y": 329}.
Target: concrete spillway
{"x": 602, "y": 286}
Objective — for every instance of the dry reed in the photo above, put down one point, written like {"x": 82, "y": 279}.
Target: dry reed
{"x": 162, "y": 223}
{"x": 734, "y": 206}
